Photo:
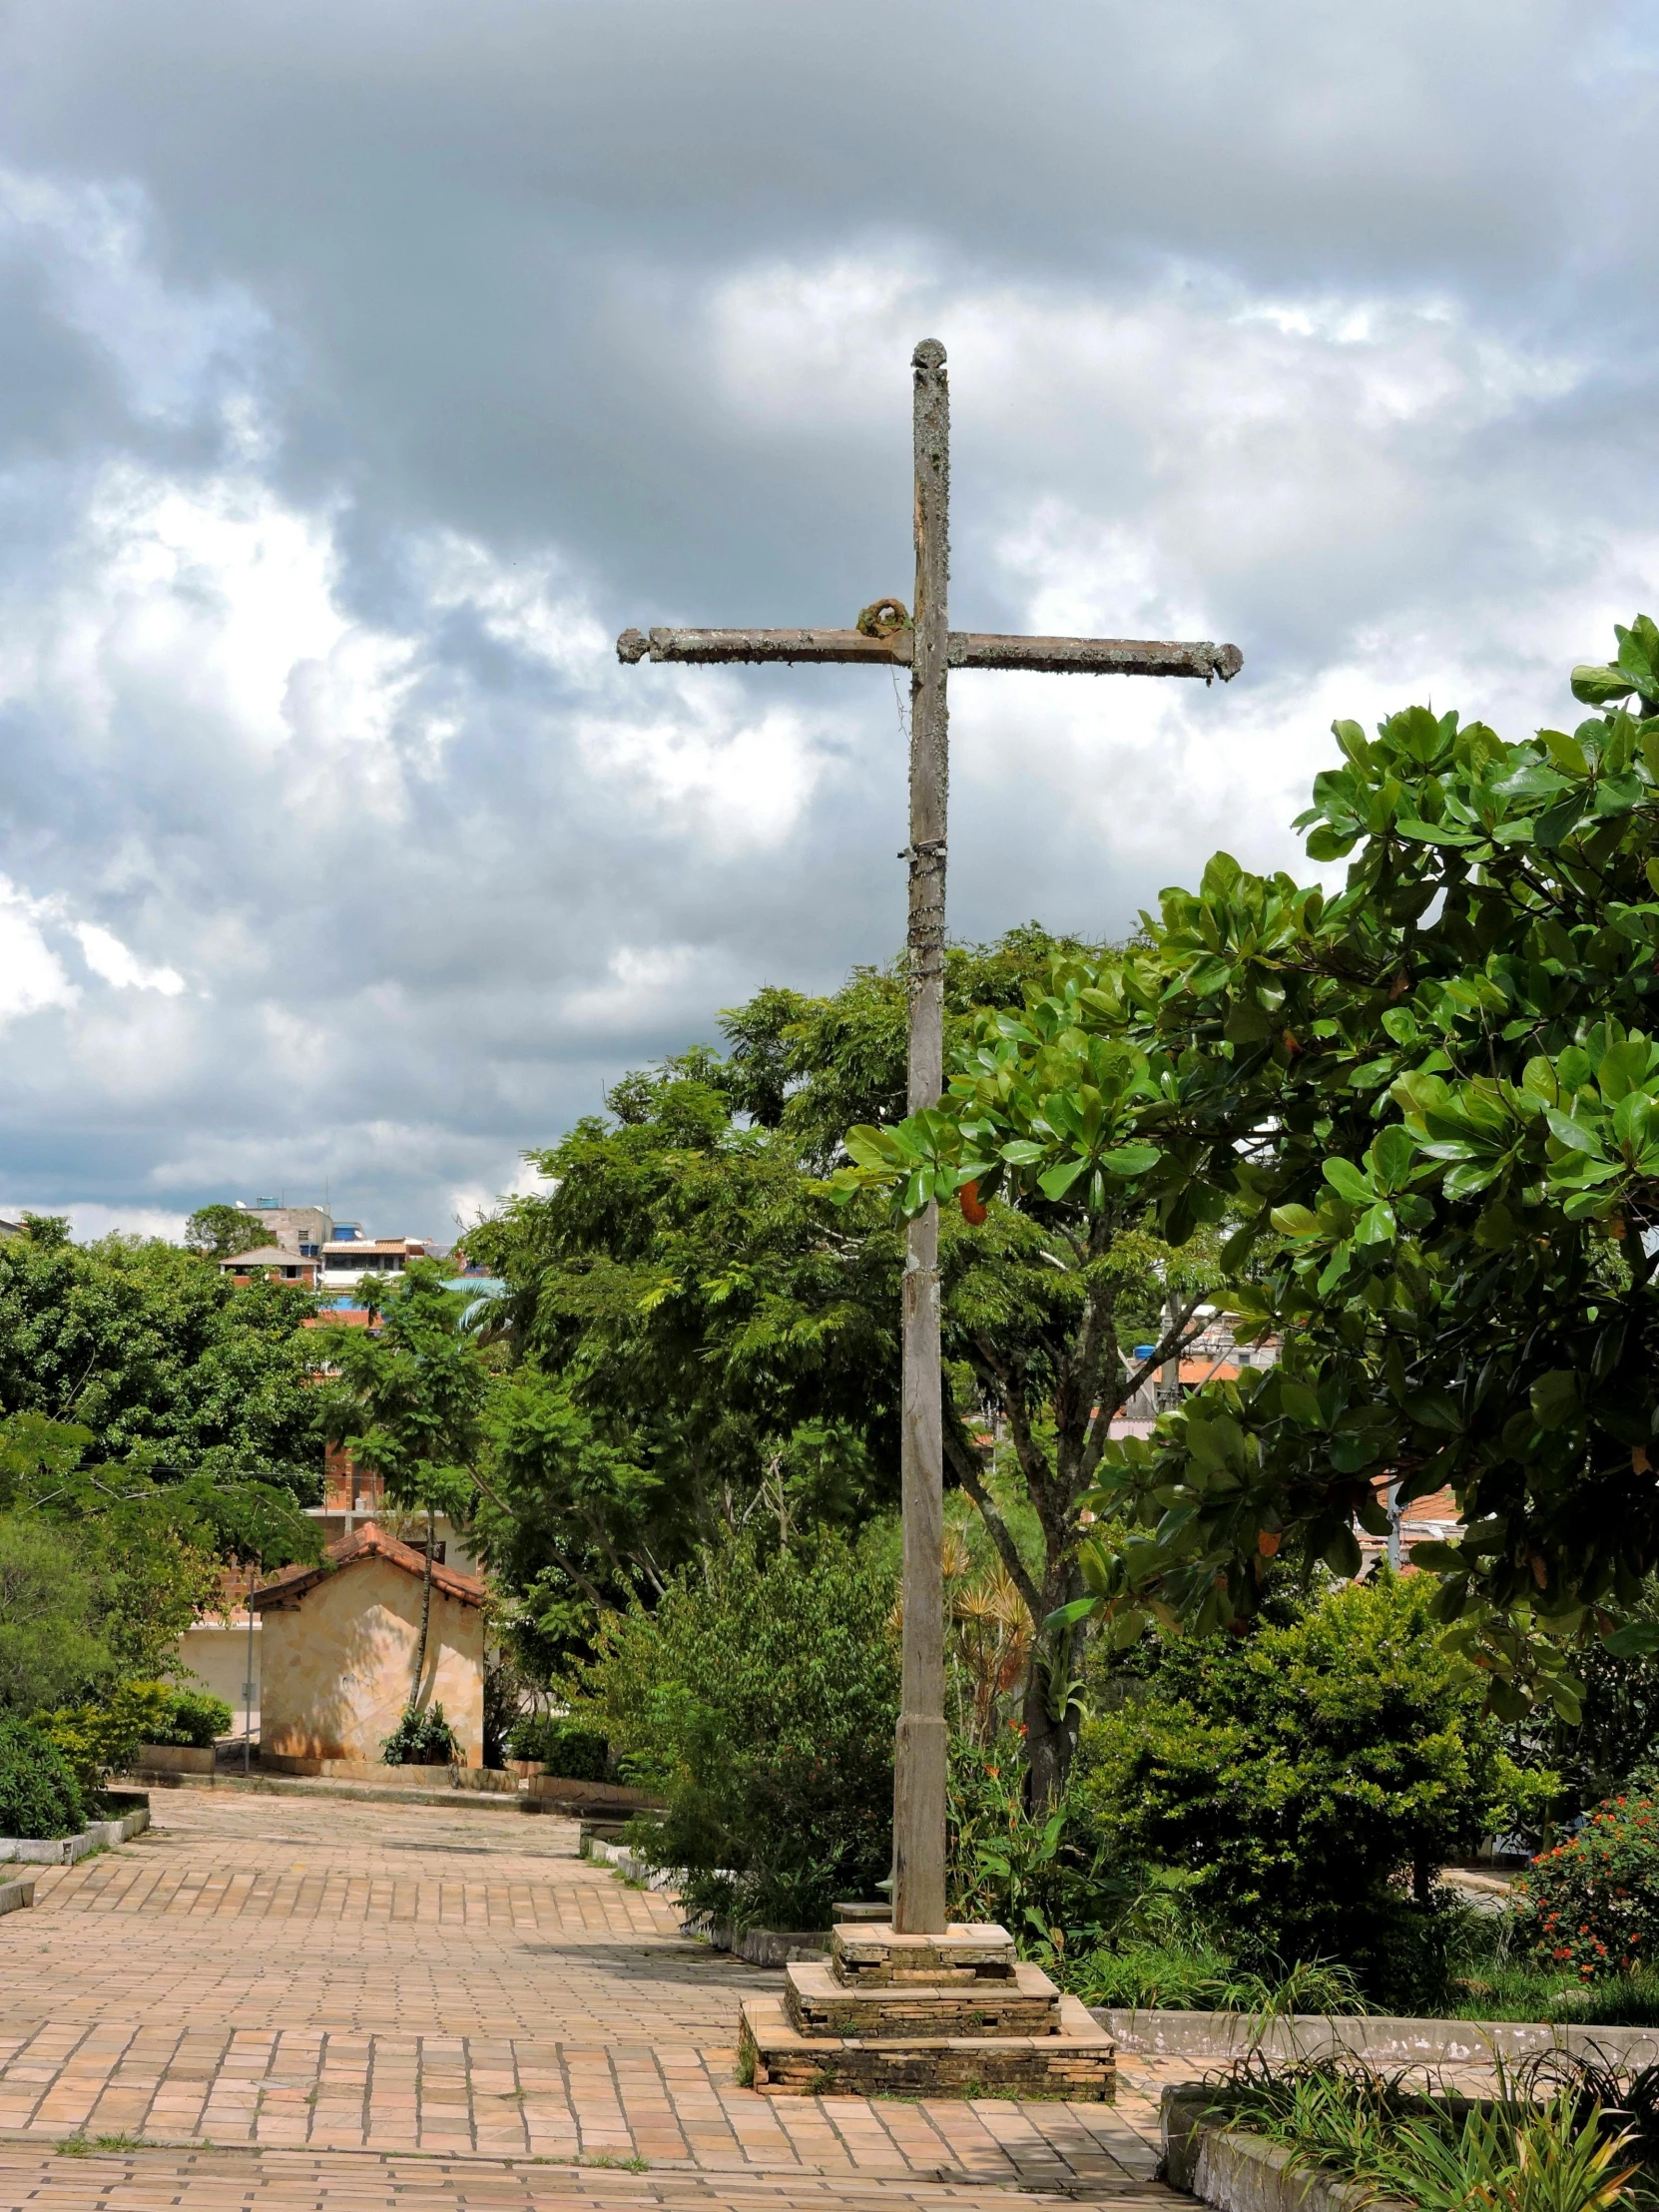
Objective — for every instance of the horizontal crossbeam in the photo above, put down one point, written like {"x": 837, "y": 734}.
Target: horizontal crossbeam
{"x": 966, "y": 649}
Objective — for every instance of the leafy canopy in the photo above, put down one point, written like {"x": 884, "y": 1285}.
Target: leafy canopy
{"x": 1430, "y": 1103}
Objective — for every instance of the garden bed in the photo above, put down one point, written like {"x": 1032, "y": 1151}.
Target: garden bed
{"x": 1562, "y": 2131}
{"x": 1238, "y": 2173}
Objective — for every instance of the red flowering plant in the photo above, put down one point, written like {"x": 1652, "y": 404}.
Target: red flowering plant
{"x": 1591, "y": 1906}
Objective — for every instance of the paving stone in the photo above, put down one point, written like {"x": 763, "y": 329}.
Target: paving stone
{"x": 378, "y": 2005}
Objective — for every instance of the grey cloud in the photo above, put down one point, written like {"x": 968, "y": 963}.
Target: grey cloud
{"x": 362, "y": 369}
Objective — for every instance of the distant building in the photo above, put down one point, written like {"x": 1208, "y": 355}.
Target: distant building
{"x": 278, "y": 1261}
{"x": 349, "y": 1256}
{"x": 340, "y": 1644}
{"x": 300, "y": 1230}
{"x": 353, "y": 1498}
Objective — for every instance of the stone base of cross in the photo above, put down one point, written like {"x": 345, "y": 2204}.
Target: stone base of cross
{"x": 924, "y": 644}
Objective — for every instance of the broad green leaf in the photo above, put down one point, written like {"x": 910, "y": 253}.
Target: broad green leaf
{"x": 1056, "y": 1181}
{"x": 1600, "y": 686}
{"x": 1392, "y": 1155}
{"x": 1342, "y": 1553}
{"x": 1294, "y": 1221}
{"x": 1635, "y": 1640}
{"x": 1435, "y": 833}
{"x": 1131, "y": 1159}
{"x": 1437, "y": 1557}
{"x": 874, "y": 1148}
{"x": 1346, "y": 1181}
{"x": 1554, "y": 1397}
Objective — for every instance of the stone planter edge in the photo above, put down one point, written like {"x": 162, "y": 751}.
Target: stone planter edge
{"x": 1382, "y": 2038}
{"x": 64, "y": 1851}
{"x": 174, "y": 1759}
{"x": 1238, "y": 2173}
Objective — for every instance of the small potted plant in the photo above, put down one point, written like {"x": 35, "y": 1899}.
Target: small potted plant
{"x": 423, "y": 1738}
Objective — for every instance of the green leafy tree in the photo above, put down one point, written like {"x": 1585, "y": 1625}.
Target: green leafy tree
{"x": 760, "y": 1697}
{"x": 1457, "y": 1203}
{"x": 49, "y": 1646}
{"x": 1066, "y": 1138}
{"x": 151, "y": 1553}
{"x": 1291, "y": 1774}
{"x": 220, "y": 1232}
{"x": 714, "y": 1338}
{"x": 1433, "y": 1100}
{"x": 407, "y": 1399}
{"x": 159, "y": 1359}
{"x": 696, "y": 1335}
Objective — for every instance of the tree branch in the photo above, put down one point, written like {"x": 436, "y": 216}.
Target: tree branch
{"x": 1170, "y": 1344}
{"x": 965, "y": 1463}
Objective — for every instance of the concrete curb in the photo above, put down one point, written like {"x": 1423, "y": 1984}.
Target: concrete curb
{"x": 1238, "y": 2173}
{"x": 1384, "y": 2040}
{"x": 355, "y": 1793}
{"x": 64, "y": 1851}
{"x": 14, "y": 1896}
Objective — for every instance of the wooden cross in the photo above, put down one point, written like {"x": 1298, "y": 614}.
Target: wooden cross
{"x": 887, "y": 638}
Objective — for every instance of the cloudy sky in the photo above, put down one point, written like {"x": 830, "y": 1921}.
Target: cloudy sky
{"x": 365, "y": 366}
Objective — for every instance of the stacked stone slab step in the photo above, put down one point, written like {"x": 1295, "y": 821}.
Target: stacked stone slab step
{"x": 954, "y": 2014}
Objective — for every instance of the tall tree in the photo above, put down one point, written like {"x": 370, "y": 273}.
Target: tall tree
{"x": 220, "y": 1232}
{"x": 1450, "y": 1181}
{"x": 707, "y": 1336}
{"x": 163, "y": 1361}
{"x": 695, "y": 1329}
{"x": 1063, "y": 1144}
{"x": 407, "y": 1399}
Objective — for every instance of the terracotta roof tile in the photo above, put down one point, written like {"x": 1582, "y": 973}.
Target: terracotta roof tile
{"x": 368, "y": 1542}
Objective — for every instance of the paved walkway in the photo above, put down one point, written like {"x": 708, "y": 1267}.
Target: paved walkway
{"x": 324, "y": 2003}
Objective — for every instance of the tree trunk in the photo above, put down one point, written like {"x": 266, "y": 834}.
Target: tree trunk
{"x": 425, "y": 1608}
{"x": 1050, "y": 1741}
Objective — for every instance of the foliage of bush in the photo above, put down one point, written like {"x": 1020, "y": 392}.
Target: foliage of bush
{"x": 760, "y": 1698}
{"x": 194, "y": 1718}
{"x": 39, "y": 1795}
{"x": 1591, "y": 1906}
{"x": 107, "y": 1733}
{"x": 564, "y": 1747}
{"x": 1559, "y": 2139}
{"x": 1299, "y": 1774}
{"x": 421, "y": 1739}
{"x": 49, "y": 1646}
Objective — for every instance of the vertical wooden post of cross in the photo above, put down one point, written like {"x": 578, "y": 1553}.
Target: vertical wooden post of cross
{"x": 920, "y": 1765}
{"x": 928, "y": 648}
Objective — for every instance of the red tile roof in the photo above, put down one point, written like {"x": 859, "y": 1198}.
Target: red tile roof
{"x": 368, "y": 1542}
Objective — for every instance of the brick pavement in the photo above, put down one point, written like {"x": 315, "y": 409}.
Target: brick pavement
{"x": 376, "y": 2002}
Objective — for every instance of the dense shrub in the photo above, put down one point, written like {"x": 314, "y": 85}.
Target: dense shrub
{"x": 39, "y": 1795}
{"x": 49, "y": 1646}
{"x": 423, "y": 1738}
{"x": 107, "y": 1733}
{"x": 760, "y": 1698}
{"x": 564, "y": 1747}
{"x": 194, "y": 1718}
{"x": 1591, "y": 1906}
{"x": 1309, "y": 1779}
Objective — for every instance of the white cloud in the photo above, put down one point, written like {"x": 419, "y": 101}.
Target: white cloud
{"x": 108, "y": 957}
{"x": 32, "y": 976}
